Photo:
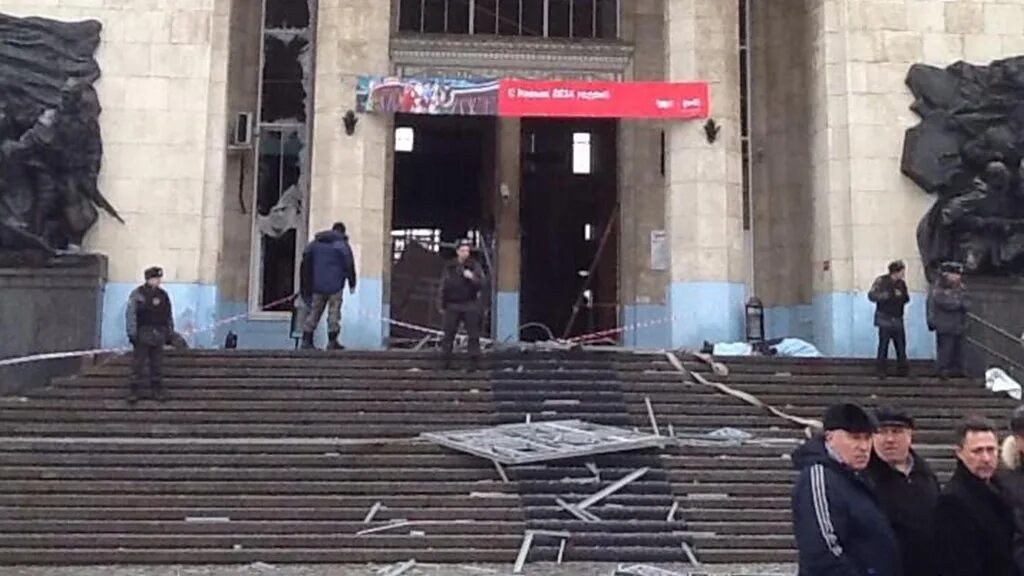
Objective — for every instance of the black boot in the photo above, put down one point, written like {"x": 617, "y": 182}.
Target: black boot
{"x": 332, "y": 341}
{"x": 307, "y": 341}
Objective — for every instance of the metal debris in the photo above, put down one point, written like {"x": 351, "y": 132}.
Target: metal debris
{"x": 399, "y": 569}
{"x": 524, "y": 551}
{"x": 373, "y": 512}
{"x": 618, "y": 485}
{"x": 576, "y": 511}
{"x": 513, "y": 444}
{"x": 672, "y": 511}
{"x": 261, "y": 566}
{"x": 594, "y": 470}
{"x": 561, "y": 550}
{"x": 689, "y": 554}
{"x": 389, "y": 526}
{"x": 501, "y": 471}
{"x": 643, "y": 570}
{"x": 650, "y": 414}
{"x": 207, "y": 519}
{"x": 731, "y": 434}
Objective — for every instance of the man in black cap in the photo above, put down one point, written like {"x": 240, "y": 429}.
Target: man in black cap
{"x": 1012, "y": 478}
{"x": 149, "y": 320}
{"x": 459, "y": 302}
{"x": 907, "y": 489}
{"x": 889, "y": 293}
{"x": 974, "y": 526}
{"x": 838, "y": 521}
{"x": 947, "y": 317}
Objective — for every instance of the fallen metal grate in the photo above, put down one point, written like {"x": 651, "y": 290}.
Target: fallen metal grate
{"x": 533, "y": 442}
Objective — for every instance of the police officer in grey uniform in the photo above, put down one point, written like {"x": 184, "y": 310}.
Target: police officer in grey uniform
{"x": 149, "y": 321}
{"x": 948, "y": 306}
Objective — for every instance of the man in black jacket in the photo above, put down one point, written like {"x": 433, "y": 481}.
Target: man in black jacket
{"x": 1012, "y": 478}
{"x": 907, "y": 489}
{"x": 973, "y": 518}
{"x": 840, "y": 527}
{"x": 947, "y": 317}
{"x": 459, "y": 302}
{"x": 889, "y": 293}
{"x": 149, "y": 322}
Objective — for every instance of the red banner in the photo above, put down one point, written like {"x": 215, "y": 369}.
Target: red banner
{"x": 579, "y": 99}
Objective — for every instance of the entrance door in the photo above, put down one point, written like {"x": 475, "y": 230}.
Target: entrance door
{"x": 569, "y": 226}
{"x": 444, "y": 173}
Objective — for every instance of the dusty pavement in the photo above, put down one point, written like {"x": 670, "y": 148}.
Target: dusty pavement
{"x": 363, "y": 570}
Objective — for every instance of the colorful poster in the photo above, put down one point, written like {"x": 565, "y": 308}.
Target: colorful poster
{"x": 575, "y": 99}
{"x": 449, "y": 96}
{"x": 533, "y": 98}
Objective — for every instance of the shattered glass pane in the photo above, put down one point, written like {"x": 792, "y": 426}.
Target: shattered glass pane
{"x": 287, "y": 14}
{"x": 284, "y": 92}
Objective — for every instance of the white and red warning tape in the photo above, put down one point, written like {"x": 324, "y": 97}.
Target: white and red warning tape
{"x": 581, "y": 339}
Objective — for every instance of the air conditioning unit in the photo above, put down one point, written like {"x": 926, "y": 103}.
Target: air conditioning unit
{"x": 241, "y": 132}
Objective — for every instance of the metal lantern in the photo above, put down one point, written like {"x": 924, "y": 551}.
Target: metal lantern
{"x": 754, "y": 313}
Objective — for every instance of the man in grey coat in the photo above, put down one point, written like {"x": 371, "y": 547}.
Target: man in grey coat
{"x": 948, "y": 305}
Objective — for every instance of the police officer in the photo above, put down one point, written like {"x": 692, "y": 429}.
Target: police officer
{"x": 889, "y": 293}
{"x": 459, "y": 302}
{"x": 948, "y": 305}
{"x": 150, "y": 325}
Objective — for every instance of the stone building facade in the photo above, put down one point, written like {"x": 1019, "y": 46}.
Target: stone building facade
{"x": 798, "y": 201}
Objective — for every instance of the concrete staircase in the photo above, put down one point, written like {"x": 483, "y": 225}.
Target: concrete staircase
{"x": 279, "y": 457}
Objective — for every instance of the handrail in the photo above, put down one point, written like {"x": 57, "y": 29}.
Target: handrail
{"x": 1016, "y": 365}
{"x": 994, "y": 328}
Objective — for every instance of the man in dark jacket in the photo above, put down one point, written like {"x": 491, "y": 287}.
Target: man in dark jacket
{"x": 947, "y": 317}
{"x": 459, "y": 302}
{"x": 840, "y": 527}
{"x": 149, "y": 322}
{"x": 907, "y": 489}
{"x": 973, "y": 518}
{"x": 1012, "y": 478}
{"x": 889, "y": 293}
{"x": 327, "y": 264}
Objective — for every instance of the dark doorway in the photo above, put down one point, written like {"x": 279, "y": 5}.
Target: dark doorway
{"x": 568, "y": 211}
{"x": 444, "y": 177}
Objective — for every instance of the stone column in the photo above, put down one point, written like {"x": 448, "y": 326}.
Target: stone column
{"x": 349, "y": 171}
{"x": 508, "y": 155}
{"x": 704, "y": 204}
{"x": 642, "y": 290}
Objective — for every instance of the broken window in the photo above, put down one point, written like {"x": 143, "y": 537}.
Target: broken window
{"x": 282, "y": 170}
{"x": 550, "y": 18}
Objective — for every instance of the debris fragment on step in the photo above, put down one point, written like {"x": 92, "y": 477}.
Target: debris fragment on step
{"x": 615, "y": 487}
{"x": 207, "y": 519}
{"x": 261, "y": 566}
{"x": 399, "y": 569}
{"x": 643, "y": 570}
{"x": 650, "y": 414}
{"x": 689, "y": 554}
{"x": 373, "y": 512}
{"x": 672, "y": 511}
{"x": 576, "y": 511}
{"x": 513, "y": 444}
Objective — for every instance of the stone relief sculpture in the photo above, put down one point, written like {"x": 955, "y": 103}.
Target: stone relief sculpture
{"x": 968, "y": 150}
{"x": 50, "y": 145}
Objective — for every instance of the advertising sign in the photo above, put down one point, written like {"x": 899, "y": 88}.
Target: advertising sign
{"x": 574, "y": 99}
{"x": 533, "y": 98}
